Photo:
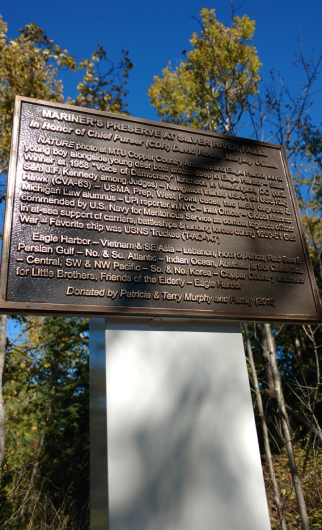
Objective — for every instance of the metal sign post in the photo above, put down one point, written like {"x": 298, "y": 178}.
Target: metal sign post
{"x": 99, "y": 512}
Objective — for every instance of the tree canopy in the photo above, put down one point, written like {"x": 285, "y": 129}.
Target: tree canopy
{"x": 213, "y": 87}
{"x": 30, "y": 66}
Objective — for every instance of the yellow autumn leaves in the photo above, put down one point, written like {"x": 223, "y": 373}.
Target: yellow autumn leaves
{"x": 212, "y": 87}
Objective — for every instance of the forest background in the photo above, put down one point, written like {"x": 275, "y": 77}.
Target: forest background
{"x": 44, "y": 453}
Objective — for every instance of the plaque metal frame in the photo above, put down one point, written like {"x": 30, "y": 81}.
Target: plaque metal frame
{"x": 130, "y": 310}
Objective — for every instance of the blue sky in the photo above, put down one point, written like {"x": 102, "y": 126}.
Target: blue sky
{"x": 156, "y": 32}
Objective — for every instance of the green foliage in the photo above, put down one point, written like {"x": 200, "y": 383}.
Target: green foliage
{"x": 308, "y": 184}
{"x": 213, "y": 86}
{"x": 309, "y": 462}
{"x": 29, "y": 66}
{"x": 45, "y": 475}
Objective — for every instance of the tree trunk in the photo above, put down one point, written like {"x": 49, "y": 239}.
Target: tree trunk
{"x": 285, "y": 426}
{"x": 279, "y": 505}
{"x": 3, "y": 338}
{"x": 267, "y": 362}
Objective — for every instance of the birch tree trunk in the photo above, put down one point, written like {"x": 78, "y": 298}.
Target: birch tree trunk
{"x": 270, "y": 343}
{"x": 279, "y": 505}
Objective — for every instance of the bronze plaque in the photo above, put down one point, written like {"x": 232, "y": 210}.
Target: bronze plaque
{"x": 108, "y": 214}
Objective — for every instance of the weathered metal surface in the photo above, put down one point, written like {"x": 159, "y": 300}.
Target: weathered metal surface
{"x": 108, "y": 214}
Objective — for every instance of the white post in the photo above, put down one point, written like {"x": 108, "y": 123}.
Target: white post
{"x": 182, "y": 445}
